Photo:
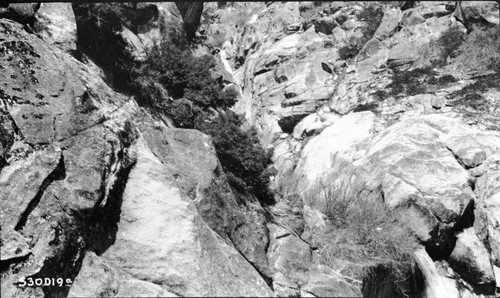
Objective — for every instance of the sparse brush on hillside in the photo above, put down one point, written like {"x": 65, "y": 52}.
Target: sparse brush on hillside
{"x": 365, "y": 233}
{"x": 414, "y": 81}
{"x": 480, "y": 51}
{"x": 371, "y": 16}
{"x": 472, "y": 94}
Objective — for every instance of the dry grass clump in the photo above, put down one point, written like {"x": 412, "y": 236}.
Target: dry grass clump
{"x": 364, "y": 233}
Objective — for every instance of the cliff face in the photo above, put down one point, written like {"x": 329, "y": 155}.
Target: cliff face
{"x": 109, "y": 195}
{"x": 94, "y": 188}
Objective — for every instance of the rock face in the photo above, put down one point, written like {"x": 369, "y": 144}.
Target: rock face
{"x": 471, "y": 260}
{"x": 56, "y": 23}
{"x": 344, "y": 136}
{"x": 111, "y": 197}
{"x": 159, "y": 225}
{"x": 319, "y": 117}
{"x": 95, "y": 189}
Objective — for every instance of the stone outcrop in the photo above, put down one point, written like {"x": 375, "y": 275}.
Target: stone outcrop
{"x": 23, "y": 13}
{"x": 412, "y": 150}
{"x": 56, "y": 24}
{"x": 159, "y": 225}
{"x": 95, "y": 189}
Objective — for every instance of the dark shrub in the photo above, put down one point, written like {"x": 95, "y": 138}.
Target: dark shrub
{"x": 481, "y": 50}
{"x": 412, "y": 82}
{"x": 97, "y": 27}
{"x": 381, "y": 95}
{"x": 371, "y": 16}
{"x": 240, "y": 154}
{"x": 446, "y": 79}
{"x": 475, "y": 100}
{"x": 472, "y": 94}
{"x": 450, "y": 41}
{"x": 184, "y": 76}
{"x": 372, "y": 106}
{"x": 183, "y": 113}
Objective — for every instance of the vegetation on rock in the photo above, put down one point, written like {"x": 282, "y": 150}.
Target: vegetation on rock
{"x": 364, "y": 233}
{"x": 481, "y": 50}
{"x": 173, "y": 81}
{"x": 240, "y": 153}
{"x": 187, "y": 89}
{"x": 97, "y": 25}
{"x": 478, "y": 51}
{"x": 371, "y": 16}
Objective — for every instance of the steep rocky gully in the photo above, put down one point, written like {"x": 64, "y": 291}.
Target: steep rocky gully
{"x": 103, "y": 197}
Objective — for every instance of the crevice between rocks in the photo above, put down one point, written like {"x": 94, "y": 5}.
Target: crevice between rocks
{"x": 15, "y": 127}
{"x": 101, "y": 222}
{"x": 268, "y": 280}
{"x": 58, "y": 173}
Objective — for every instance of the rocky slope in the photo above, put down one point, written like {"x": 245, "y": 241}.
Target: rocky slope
{"x": 109, "y": 196}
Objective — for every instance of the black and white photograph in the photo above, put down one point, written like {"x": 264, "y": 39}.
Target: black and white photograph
{"x": 250, "y": 149}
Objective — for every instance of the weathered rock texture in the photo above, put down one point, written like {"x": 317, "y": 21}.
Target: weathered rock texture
{"x": 56, "y": 23}
{"x": 95, "y": 189}
{"x": 319, "y": 115}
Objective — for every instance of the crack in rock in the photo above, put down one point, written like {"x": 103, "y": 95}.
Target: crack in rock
{"x": 57, "y": 174}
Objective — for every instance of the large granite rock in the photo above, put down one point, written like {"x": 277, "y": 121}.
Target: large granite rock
{"x": 340, "y": 141}
{"x": 69, "y": 155}
{"x": 100, "y": 278}
{"x": 71, "y": 207}
{"x": 190, "y": 156}
{"x": 161, "y": 227}
{"x": 56, "y": 24}
{"x": 472, "y": 261}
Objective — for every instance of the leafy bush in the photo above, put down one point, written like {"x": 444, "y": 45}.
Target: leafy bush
{"x": 240, "y": 154}
{"x": 413, "y": 82}
{"x": 478, "y": 51}
{"x": 372, "y": 106}
{"x": 446, "y": 79}
{"x": 364, "y": 233}
{"x": 192, "y": 93}
{"x": 183, "y": 76}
